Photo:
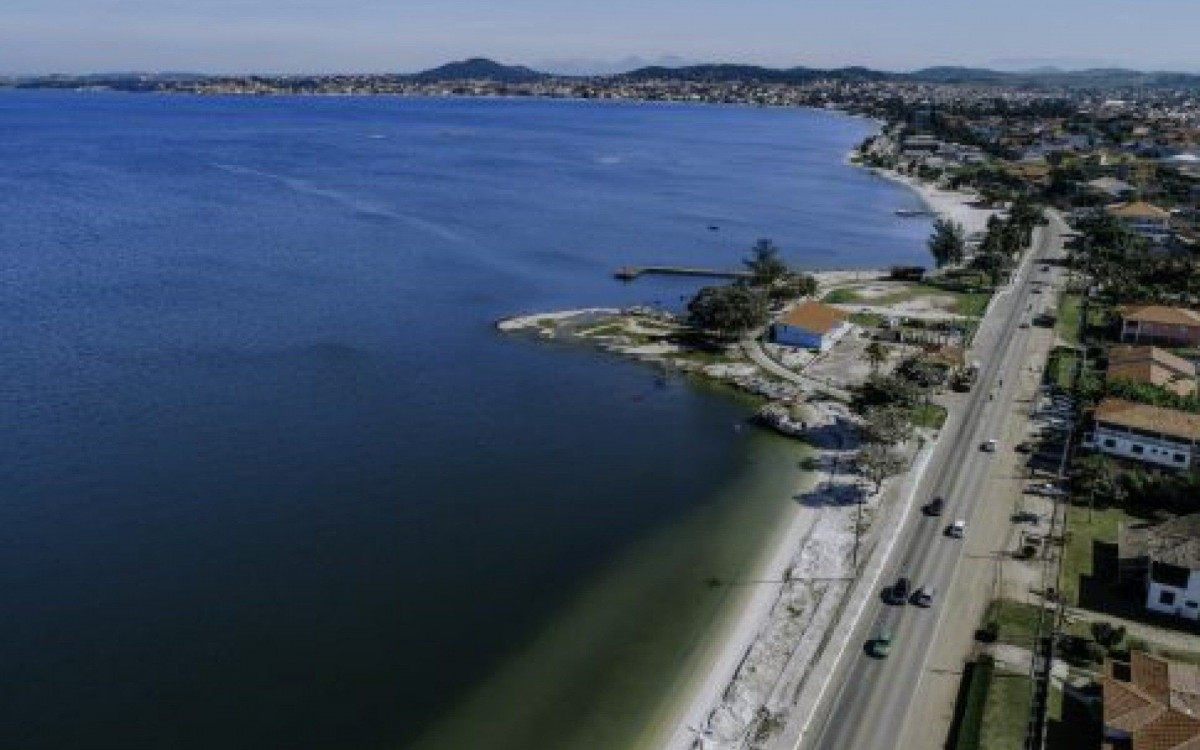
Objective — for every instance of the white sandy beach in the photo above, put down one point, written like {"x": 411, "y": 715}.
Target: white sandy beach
{"x": 954, "y": 205}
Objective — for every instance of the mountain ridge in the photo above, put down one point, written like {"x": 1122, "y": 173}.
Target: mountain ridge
{"x": 479, "y": 68}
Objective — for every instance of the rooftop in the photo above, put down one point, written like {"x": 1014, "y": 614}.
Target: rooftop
{"x": 1149, "y": 364}
{"x": 816, "y": 317}
{"x": 1161, "y": 314}
{"x": 1152, "y": 419}
{"x": 1175, "y": 542}
{"x": 1154, "y": 701}
{"x": 1138, "y": 210}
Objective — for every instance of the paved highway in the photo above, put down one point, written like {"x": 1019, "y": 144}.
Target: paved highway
{"x": 871, "y": 697}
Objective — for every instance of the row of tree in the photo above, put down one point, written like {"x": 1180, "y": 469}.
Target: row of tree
{"x": 1001, "y": 246}
{"x": 1099, "y": 480}
{"x": 1119, "y": 263}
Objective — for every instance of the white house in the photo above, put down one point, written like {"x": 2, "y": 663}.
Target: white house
{"x": 1150, "y": 434}
{"x": 1168, "y": 555}
{"x": 810, "y": 325}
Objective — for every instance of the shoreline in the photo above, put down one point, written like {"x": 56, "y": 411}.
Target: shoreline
{"x": 779, "y": 628}
{"x": 737, "y": 625}
{"x": 742, "y": 627}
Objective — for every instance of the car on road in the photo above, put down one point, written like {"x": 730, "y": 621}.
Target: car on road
{"x": 934, "y": 507}
{"x": 957, "y": 529}
{"x": 900, "y": 590}
{"x": 882, "y": 643}
{"x": 988, "y": 446}
{"x": 1048, "y": 489}
{"x": 923, "y": 596}
{"x": 1045, "y": 269}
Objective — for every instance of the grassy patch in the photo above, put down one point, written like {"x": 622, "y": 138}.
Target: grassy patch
{"x": 1069, "y": 322}
{"x": 1017, "y": 621}
{"x": 1077, "y": 553}
{"x": 929, "y": 415}
{"x": 970, "y": 729}
{"x": 608, "y": 329}
{"x": 841, "y": 297}
{"x": 973, "y": 304}
{"x": 1006, "y": 711}
{"x": 1060, "y": 368}
{"x": 867, "y": 320}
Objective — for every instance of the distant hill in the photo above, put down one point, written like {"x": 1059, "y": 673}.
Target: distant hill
{"x": 481, "y": 69}
{"x": 1100, "y": 78}
{"x": 753, "y": 73}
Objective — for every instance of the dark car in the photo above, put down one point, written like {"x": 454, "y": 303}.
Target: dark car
{"x": 934, "y": 507}
{"x": 901, "y": 590}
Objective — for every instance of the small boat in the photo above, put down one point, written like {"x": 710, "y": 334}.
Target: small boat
{"x": 912, "y": 212}
{"x": 713, "y": 228}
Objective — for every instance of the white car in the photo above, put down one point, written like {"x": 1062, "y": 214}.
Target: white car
{"x": 923, "y": 597}
{"x": 957, "y": 529}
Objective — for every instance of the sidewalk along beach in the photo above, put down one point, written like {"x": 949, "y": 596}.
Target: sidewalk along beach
{"x": 785, "y": 623}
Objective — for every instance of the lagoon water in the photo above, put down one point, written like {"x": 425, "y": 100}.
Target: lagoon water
{"x": 271, "y": 479}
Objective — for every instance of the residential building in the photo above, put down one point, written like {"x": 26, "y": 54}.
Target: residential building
{"x": 1150, "y": 434}
{"x": 1151, "y": 703}
{"x": 1158, "y": 324}
{"x": 1150, "y": 365}
{"x": 1165, "y": 557}
{"x": 1143, "y": 219}
{"x": 810, "y": 325}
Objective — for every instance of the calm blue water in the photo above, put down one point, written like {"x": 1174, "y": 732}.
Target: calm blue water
{"x": 270, "y": 477}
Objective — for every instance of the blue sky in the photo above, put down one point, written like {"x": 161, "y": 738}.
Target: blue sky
{"x": 402, "y": 35}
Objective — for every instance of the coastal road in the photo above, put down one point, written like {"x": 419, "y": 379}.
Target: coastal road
{"x": 871, "y": 698}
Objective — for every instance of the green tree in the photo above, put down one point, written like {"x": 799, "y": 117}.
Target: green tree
{"x": 889, "y": 425}
{"x": 876, "y": 354}
{"x": 792, "y": 286}
{"x": 727, "y": 311}
{"x": 764, "y": 264}
{"x": 947, "y": 243}
{"x": 877, "y": 462}
{"x": 1096, "y": 478}
{"x": 884, "y": 390}
{"x": 1106, "y": 634}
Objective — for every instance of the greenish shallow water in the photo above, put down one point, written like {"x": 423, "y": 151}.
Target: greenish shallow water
{"x": 610, "y": 668}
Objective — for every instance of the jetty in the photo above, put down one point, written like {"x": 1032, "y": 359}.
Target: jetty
{"x": 629, "y": 273}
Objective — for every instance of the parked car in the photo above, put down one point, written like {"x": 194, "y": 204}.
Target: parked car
{"x": 934, "y": 507}
{"x": 882, "y": 644}
{"x": 900, "y": 590}
{"x": 923, "y": 596}
{"x": 1024, "y": 447}
{"x": 988, "y": 446}
{"x": 1049, "y": 489}
{"x": 957, "y": 529}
